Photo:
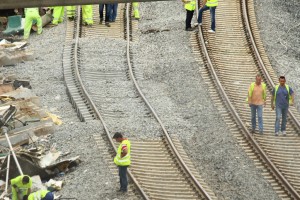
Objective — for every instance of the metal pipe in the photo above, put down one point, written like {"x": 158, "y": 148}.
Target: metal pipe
{"x": 4, "y": 130}
{"x": 7, "y": 173}
{"x": 11, "y": 4}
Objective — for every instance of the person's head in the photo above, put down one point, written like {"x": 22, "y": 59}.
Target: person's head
{"x": 118, "y": 136}
{"x": 258, "y": 79}
{"x": 25, "y": 179}
{"x": 282, "y": 80}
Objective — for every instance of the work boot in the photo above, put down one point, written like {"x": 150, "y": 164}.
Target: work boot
{"x": 71, "y": 18}
{"x": 107, "y": 24}
{"x": 101, "y": 20}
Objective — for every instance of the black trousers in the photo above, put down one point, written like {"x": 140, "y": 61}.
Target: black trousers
{"x": 188, "y": 20}
{"x": 123, "y": 178}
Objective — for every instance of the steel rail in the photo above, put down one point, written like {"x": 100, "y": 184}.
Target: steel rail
{"x": 245, "y": 131}
{"x": 259, "y": 59}
{"x": 169, "y": 140}
{"x": 85, "y": 93}
{"x": 270, "y": 81}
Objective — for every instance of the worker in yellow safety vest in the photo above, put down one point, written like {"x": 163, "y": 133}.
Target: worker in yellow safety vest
{"x": 189, "y": 6}
{"x": 58, "y": 14}
{"x": 87, "y": 14}
{"x": 30, "y": 15}
{"x": 122, "y": 159}
{"x": 282, "y": 97}
{"x": 20, "y": 186}
{"x": 71, "y": 12}
{"x": 40, "y": 195}
{"x": 136, "y": 13}
{"x": 257, "y": 95}
{"x": 210, "y": 5}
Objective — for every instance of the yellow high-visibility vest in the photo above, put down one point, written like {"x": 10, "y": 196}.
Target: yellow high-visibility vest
{"x": 191, "y": 5}
{"x": 211, "y": 3}
{"x": 124, "y": 161}
{"x": 288, "y": 90}
{"x": 264, "y": 87}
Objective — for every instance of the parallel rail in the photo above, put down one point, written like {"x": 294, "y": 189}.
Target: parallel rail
{"x": 167, "y": 157}
{"x": 259, "y": 144}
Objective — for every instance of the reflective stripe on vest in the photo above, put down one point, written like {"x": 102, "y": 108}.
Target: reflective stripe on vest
{"x": 125, "y": 161}
{"x": 211, "y": 3}
{"x": 190, "y": 5}
{"x": 288, "y": 90}
{"x": 264, "y": 87}
{"x": 31, "y": 10}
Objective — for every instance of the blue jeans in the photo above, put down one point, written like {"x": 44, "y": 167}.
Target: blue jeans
{"x": 107, "y": 11}
{"x": 259, "y": 110}
{"x": 113, "y": 12}
{"x": 281, "y": 112}
{"x": 212, "y": 16}
{"x": 123, "y": 178}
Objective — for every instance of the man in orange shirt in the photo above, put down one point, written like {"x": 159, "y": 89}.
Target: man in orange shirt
{"x": 256, "y": 99}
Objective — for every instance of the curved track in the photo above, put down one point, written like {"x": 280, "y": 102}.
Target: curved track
{"x": 160, "y": 168}
{"x": 233, "y": 56}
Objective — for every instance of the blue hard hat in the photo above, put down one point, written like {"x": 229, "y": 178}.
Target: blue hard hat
{"x": 49, "y": 196}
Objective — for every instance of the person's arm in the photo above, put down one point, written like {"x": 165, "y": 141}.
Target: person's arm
{"x": 29, "y": 191}
{"x": 293, "y": 98}
{"x": 204, "y": 2}
{"x": 124, "y": 151}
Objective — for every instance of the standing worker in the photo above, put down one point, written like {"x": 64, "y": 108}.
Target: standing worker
{"x": 190, "y": 6}
{"x": 136, "y": 13}
{"x": 257, "y": 98}
{"x": 71, "y": 12}
{"x": 113, "y": 12}
{"x": 211, "y": 5}
{"x": 107, "y": 13}
{"x": 20, "y": 186}
{"x": 122, "y": 159}
{"x": 40, "y": 195}
{"x": 282, "y": 97}
{"x": 58, "y": 15}
{"x": 30, "y": 15}
{"x": 87, "y": 15}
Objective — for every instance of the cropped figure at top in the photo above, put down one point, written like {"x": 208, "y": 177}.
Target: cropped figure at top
{"x": 210, "y": 5}
{"x": 257, "y": 93}
{"x": 87, "y": 15}
{"x": 30, "y": 15}
{"x": 113, "y": 12}
{"x": 58, "y": 14}
{"x": 107, "y": 13}
{"x": 190, "y": 6}
{"x": 282, "y": 98}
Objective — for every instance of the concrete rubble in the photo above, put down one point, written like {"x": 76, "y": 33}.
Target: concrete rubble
{"x": 29, "y": 127}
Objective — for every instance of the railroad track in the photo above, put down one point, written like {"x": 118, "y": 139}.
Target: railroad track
{"x": 232, "y": 58}
{"x": 160, "y": 168}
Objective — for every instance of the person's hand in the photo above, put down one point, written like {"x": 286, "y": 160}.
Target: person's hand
{"x": 292, "y": 103}
{"x": 265, "y": 103}
{"x": 272, "y": 106}
{"x": 249, "y": 104}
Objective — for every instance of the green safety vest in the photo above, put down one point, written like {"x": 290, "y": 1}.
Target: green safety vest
{"x": 190, "y": 5}
{"x": 211, "y": 3}
{"x": 38, "y": 195}
{"x": 288, "y": 90}
{"x": 264, "y": 87}
{"x": 125, "y": 161}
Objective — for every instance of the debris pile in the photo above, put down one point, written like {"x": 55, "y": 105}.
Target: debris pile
{"x": 25, "y": 132}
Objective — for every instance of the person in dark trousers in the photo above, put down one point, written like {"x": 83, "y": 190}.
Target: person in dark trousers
{"x": 107, "y": 13}
{"x": 189, "y": 6}
{"x": 122, "y": 159}
{"x": 113, "y": 12}
{"x": 282, "y": 98}
{"x": 210, "y": 5}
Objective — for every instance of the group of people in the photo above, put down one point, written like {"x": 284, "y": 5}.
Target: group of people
{"x": 21, "y": 190}
{"x": 190, "y": 6}
{"x": 32, "y": 14}
{"x": 282, "y": 98}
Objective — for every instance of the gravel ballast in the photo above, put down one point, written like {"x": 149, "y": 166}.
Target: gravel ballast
{"x": 172, "y": 82}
